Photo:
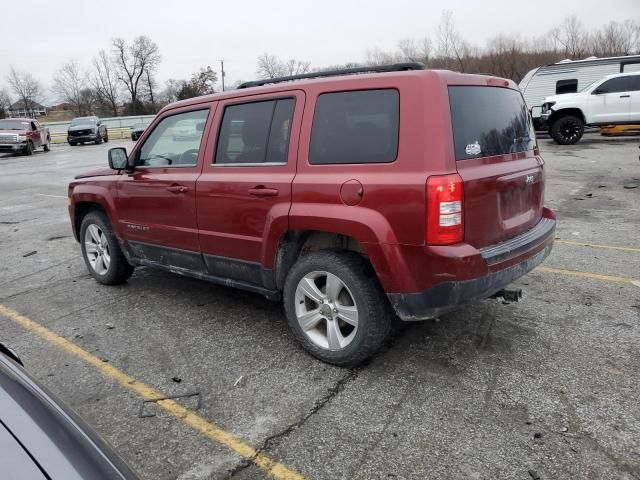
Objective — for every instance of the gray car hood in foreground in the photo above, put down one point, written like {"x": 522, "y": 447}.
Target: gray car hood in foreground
{"x": 56, "y": 441}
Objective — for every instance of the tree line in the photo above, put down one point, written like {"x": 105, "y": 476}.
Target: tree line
{"x": 511, "y": 55}
{"x": 123, "y": 79}
{"x": 505, "y": 55}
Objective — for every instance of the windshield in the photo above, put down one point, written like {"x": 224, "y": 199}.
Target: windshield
{"x": 13, "y": 125}
{"x": 82, "y": 121}
{"x": 589, "y": 86}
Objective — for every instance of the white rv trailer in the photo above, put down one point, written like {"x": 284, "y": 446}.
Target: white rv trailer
{"x": 570, "y": 76}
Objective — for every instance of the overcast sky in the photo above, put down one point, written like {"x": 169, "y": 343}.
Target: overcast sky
{"x": 39, "y": 36}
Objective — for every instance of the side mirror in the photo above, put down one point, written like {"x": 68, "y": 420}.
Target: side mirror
{"x": 597, "y": 91}
{"x": 118, "y": 158}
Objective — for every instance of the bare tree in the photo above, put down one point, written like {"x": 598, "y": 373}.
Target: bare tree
{"x": 5, "y": 102}
{"x": 171, "y": 89}
{"x": 616, "y": 39}
{"x": 150, "y": 85}
{"x": 296, "y": 67}
{"x": 26, "y": 87}
{"x": 88, "y": 99}
{"x": 571, "y": 37}
{"x": 133, "y": 61}
{"x": 419, "y": 50}
{"x": 105, "y": 82}
{"x": 68, "y": 83}
{"x": 270, "y": 66}
{"x": 381, "y": 57}
{"x": 446, "y": 36}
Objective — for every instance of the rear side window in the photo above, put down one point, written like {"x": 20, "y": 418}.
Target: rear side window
{"x": 255, "y": 133}
{"x": 489, "y": 121}
{"x": 355, "y": 127}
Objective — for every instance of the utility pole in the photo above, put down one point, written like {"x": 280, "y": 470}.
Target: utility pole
{"x": 222, "y": 74}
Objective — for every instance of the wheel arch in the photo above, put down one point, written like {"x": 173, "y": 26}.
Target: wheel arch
{"x": 567, "y": 111}
{"x": 81, "y": 210}
{"x": 297, "y": 243}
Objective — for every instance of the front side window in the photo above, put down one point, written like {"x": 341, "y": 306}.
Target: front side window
{"x": 614, "y": 85}
{"x": 255, "y": 133}
{"x": 489, "y": 121}
{"x": 175, "y": 141}
{"x": 355, "y": 127}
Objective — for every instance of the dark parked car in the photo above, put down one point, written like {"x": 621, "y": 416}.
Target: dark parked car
{"x": 87, "y": 129}
{"x": 351, "y": 196}
{"x": 42, "y": 439}
{"x": 137, "y": 130}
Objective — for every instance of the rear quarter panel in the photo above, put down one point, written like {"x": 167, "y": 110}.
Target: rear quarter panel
{"x": 393, "y": 202}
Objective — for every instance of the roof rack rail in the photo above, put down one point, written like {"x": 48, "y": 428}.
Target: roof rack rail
{"x": 396, "y": 67}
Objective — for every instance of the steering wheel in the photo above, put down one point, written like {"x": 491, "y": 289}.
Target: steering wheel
{"x": 189, "y": 157}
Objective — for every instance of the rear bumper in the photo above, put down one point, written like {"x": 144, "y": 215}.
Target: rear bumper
{"x": 505, "y": 262}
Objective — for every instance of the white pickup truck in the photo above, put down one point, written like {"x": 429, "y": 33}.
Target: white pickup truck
{"x": 612, "y": 100}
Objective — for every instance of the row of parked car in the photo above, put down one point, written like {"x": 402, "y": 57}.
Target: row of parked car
{"x": 24, "y": 135}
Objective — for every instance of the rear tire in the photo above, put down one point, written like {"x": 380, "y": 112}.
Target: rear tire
{"x": 101, "y": 252}
{"x": 567, "y": 129}
{"x": 346, "y": 287}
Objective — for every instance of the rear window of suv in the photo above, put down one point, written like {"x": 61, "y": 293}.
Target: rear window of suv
{"x": 489, "y": 121}
{"x": 355, "y": 127}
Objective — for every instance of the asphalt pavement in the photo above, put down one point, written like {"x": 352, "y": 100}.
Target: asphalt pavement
{"x": 545, "y": 388}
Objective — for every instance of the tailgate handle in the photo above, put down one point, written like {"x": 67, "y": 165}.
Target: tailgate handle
{"x": 625, "y": 96}
{"x": 262, "y": 191}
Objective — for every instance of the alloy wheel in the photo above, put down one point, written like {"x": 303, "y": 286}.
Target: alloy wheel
{"x": 569, "y": 129}
{"x": 96, "y": 249}
{"x": 326, "y": 310}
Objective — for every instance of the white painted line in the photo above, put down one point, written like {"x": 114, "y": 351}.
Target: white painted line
{"x": 52, "y": 196}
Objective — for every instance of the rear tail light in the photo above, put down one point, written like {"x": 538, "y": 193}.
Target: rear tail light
{"x": 445, "y": 217}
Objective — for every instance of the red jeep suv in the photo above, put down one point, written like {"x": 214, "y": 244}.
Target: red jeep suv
{"x": 352, "y": 195}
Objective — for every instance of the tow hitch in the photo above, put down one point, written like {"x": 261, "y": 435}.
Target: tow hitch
{"x": 509, "y": 296}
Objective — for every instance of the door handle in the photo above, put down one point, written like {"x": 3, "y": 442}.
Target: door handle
{"x": 625, "y": 96}
{"x": 262, "y": 191}
{"x": 177, "y": 189}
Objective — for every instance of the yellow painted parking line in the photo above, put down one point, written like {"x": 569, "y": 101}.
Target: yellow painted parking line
{"x": 52, "y": 196}
{"x": 593, "y": 276}
{"x": 185, "y": 415}
{"x": 598, "y": 245}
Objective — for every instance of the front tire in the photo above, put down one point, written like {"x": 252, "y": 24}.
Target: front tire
{"x": 336, "y": 308}
{"x": 28, "y": 149}
{"x": 567, "y": 129}
{"x": 106, "y": 137}
{"x": 101, "y": 252}
{"x": 47, "y": 145}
